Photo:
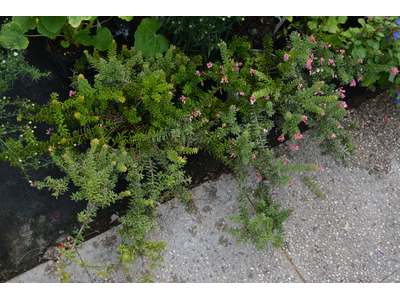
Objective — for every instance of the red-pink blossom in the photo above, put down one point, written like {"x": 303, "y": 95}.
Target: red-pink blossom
{"x": 286, "y": 57}
{"x": 281, "y": 138}
{"x": 394, "y": 71}
{"x": 209, "y": 65}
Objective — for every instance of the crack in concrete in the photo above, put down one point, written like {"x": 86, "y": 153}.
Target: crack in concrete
{"x": 292, "y": 264}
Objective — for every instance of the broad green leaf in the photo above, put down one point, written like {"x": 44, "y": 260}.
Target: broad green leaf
{"x": 342, "y": 19}
{"x": 333, "y": 29}
{"x": 380, "y": 34}
{"x": 83, "y": 37}
{"x": 359, "y": 52}
{"x": 346, "y": 34}
{"x": 102, "y": 40}
{"x": 331, "y": 22}
{"x": 391, "y": 77}
{"x": 43, "y": 31}
{"x": 26, "y": 22}
{"x": 312, "y": 24}
{"x": 146, "y": 39}
{"x": 290, "y": 19}
{"x": 369, "y": 78}
{"x": 53, "y": 24}
{"x": 397, "y": 80}
{"x": 361, "y": 21}
{"x": 126, "y": 18}
{"x": 373, "y": 44}
{"x": 11, "y": 36}
{"x": 398, "y": 56}
{"x": 75, "y": 21}
{"x": 324, "y": 28}
{"x": 357, "y": 43}
{"x": 390, "y": 52}
{"x": 64, "y": 44}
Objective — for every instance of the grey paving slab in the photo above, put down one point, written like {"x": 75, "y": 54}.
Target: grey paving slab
{"x": 352, "y": 235}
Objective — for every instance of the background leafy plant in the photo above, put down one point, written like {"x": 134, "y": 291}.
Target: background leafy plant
{"x": 375, "y": 42}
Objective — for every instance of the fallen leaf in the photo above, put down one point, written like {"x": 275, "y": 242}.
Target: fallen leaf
{"x": 347, "y": 226}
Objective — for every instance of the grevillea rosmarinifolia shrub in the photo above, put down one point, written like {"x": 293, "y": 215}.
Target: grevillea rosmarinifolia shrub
{"x": 143, "y": 115}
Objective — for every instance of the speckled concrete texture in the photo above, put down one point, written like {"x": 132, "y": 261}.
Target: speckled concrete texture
{"x": 352, "y": 235}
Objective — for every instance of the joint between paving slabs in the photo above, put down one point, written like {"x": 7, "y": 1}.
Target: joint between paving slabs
{"x": 292, "y": 264}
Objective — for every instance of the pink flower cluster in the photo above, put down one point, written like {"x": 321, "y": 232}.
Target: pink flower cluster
{"x": 294, "y": 147}
{"x": 333, "y": 135}
{"x": 71, "y": 93}
{"x": 252, "y": 71}
{"x": 353, "y": 83}
{"x": 197, "y": 73}
{"x": 394, "y": 71}
{"x": 252, "y": 99}
{"x": 285, "y": 160}
{"x": 281, "y": 138}
{"x": 320, "y": 168}
{"x": 224, "y": 79}
{"x": 298, "y": 136}
{"x": 209, "y": 65}
{"x": 286, "y": 57}
{"x": 330, "y": 61}
{"x": 183, "y": 98}
{"x": 304, "y": 119}
{"x": 299, "y": 86}
{"x": 196, "y": 113}
{"x": 313, "y": 39}
{"x": 233, "y": 155}
{"x": 360, "y": 61}
{"x": 291, "y": 183}
{"x": 49, "y": 130}
{"x": 240, "y": 93}
{"x": 253, "y": 156}
{"x": 258, "y": 176}
{"x": 343, "y": 105}
{"x": 308, "y": 65}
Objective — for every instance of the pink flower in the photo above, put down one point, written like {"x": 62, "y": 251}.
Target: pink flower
{"x": 258, "y": 176}
{"x": 209, "y": 65}
{"x": 342, "y": 51}
{"x": 343, "y": 105}
{"x": 320, "y": 168}
{"x": 298, "y": 136}
{"x": 68, "y": 239}
{"x": 322, "y": 114}
{"x": 308, "y": 65}
{"x": 285, "y": 160}
{"x": 330, "y": 61}
{"x": 281, "y": 138}
{"x": 267, "y": 97}
{"x": 360, "y": 61}
{"x": 197, "y": 73}
{"x": 197, "y": 113}
{"x": 313, "y": 39}
{"x": 286, "y": 57}
{"x": 252, "y": 71}
{"x": 394, "y": 71}
{"x": 291, "y": 183}
{"x": 183, "y": 98}
{"x": 253, "y": 156}
{"x": 294, "y": 147}
{"x": 252, "y": 99}
{"x": 304, "y": 119}
{"x": 322, "y": 59}
{"x": 353, "y": 83}
{"x": 333, "y": 135}
{"x": 71, "y": 93}
{"x": 233, "y": 155}
{"x": 224, "y": 79}
{"x": 101, "y": 126}
{"x": 190, "y": 118}
{"x": 50, "y": 149}
{"x": 32, "y": 184}
{"x": 299, "y": 86}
